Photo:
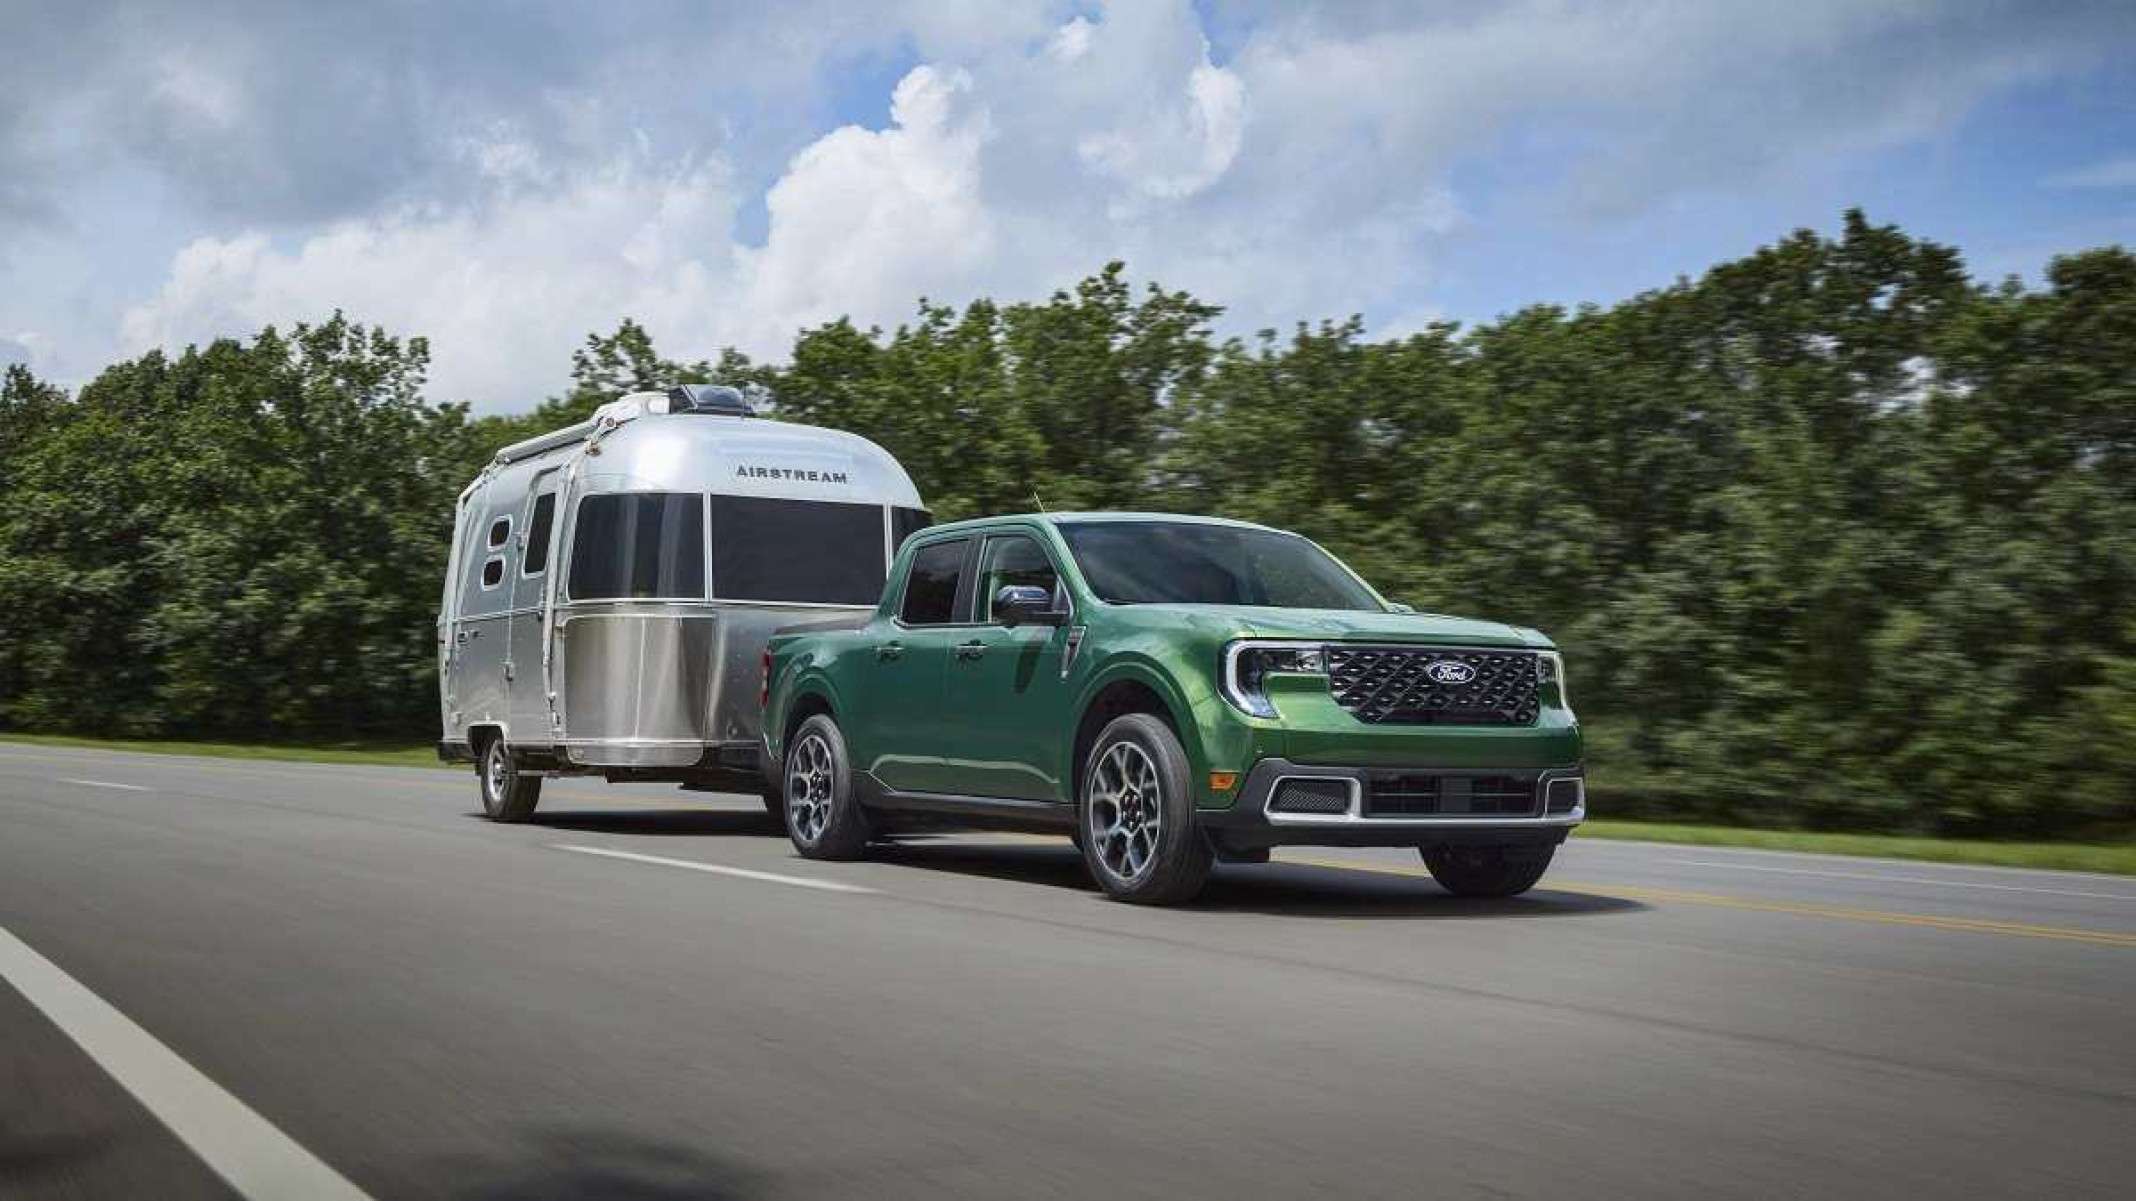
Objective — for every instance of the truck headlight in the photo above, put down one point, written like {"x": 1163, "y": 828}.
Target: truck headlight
{"x": 1550, "y": 669}
{"x": 1247, "y": 665}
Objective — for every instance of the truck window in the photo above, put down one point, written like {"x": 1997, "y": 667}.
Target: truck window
{"x": 536, "y": 560}
{"x": 639, "y": 545}
{"x": 931, "y": 587}
{"x": 813, "y": 551}
{"x": 1165, "y": 562}
{"x": 1012, "y": 559}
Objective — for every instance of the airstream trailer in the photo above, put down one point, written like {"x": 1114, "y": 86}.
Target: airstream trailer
{"x": 611, "y": 587}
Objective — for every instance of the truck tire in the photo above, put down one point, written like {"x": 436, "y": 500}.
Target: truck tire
{"x": 1485, "y": 871}
{"x": 822, "y": 817}
{"x": 508, "y": 795}
{"x": 1136, "y": 815}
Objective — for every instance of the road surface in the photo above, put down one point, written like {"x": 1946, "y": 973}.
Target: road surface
{"x": 647, "y": 995}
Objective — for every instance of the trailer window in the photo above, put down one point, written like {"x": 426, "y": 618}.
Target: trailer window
{"x": 639, "y": 545}
{"x": 536, "y": 559}
{"x": 810, "y": 551}
{"x": 500, "y": 529}
{"x": 904, "y": 523}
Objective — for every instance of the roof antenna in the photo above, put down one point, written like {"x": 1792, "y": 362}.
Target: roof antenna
{"x": 1041, "y": 500}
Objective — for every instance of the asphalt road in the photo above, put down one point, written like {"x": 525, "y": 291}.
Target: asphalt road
{"x": 433, "y": 1006}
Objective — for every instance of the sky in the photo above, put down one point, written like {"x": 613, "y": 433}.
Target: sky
{"x": 505, "y": 177}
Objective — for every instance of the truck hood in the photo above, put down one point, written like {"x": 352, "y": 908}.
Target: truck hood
{"x": 1348, "y": 625}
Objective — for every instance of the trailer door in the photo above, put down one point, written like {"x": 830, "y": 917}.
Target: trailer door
{"x": 452, "y": 628}
{"x": 529, "y": 707}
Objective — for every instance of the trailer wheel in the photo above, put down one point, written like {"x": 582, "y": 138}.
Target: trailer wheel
{"x": 508, "y": 795}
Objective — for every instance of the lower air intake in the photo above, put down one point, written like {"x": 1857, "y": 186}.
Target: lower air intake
{"x": 1325, "y": 797}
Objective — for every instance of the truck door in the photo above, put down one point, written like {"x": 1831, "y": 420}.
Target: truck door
{"x": 1004, "y": 694}
{"x": 896, "y": 728}
{"x": 529, "y": 700}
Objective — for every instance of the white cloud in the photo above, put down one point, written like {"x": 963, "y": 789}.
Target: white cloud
{"x": 1303, "y": 173}
{"x": 506, "y": 285}
{"x": 865, "y": 221}
{"x": 1179, "y": 151}
{"x": 504, "y": 288}
{"x": 18, "y": 349}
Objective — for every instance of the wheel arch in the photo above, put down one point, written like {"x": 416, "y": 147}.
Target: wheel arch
{"x": 811, "y": 697}
{"x": 1128, "y": 687}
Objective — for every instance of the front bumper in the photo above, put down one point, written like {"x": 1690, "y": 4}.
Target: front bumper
{"x": 1251, "y": 824}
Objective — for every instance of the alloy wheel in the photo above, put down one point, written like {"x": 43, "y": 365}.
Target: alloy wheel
{"x": 808, "y": 788}
{"x": 1125, "y": 807}
{"x": 496, "y": 776}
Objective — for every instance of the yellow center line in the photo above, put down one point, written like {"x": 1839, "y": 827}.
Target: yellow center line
{"x": 2110, "y": 938}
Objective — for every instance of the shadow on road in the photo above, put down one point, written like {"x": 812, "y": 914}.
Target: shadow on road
{"x": 559, "y": 1163}
{"x": 699, "y": 822}
{"x": 1286, "y": 889}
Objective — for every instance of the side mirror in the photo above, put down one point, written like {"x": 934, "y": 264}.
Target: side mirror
{"x": 1399, "y": 607}
{"x": 1026, "y": 605}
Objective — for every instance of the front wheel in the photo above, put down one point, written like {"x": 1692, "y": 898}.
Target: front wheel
{"x": 1486, "y": 871}
{"x": 822, "y": 816}
{"x": 1137, "y": 815}
{"x": 508, "y": 794}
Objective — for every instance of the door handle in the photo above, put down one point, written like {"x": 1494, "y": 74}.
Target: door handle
{"x": 460, "y": 637}
{"x": 889, "y": 650}
{"x": 970, "y": 650}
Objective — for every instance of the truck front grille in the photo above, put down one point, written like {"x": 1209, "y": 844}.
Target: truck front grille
{"x": 1407, "y": 685}
{"x": 1407, "y": 794}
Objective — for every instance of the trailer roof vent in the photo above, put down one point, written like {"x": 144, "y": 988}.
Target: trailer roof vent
{"x": 708, "y": 398}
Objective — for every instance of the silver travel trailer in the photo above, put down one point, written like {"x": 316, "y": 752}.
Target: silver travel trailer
{"x": 612, "y": 585}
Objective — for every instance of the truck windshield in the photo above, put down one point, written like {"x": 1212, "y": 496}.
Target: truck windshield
{"x": 1163, "y": 562}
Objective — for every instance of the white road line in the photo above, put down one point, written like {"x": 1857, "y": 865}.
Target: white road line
{"x": 1931, "y": 880}
{"x": 105, "y": 784}
{"x": 716, "y": 869}
{"x": 257, "y": 1160}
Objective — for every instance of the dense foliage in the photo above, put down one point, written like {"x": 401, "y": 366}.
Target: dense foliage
{"x": 1832, "y": 535}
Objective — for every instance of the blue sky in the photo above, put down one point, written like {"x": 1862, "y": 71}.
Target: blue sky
{"x": 506, "y": 176}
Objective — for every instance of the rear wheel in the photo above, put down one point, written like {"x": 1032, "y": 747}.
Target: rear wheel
{"x": 1137, "y": 816}
{"x": 822, "y": 817}
{"x": 508, "y": 794}
{"x": 1486, "y": 871}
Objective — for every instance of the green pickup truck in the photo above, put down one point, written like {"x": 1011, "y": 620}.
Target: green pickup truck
{"x": 1170, "y": 691}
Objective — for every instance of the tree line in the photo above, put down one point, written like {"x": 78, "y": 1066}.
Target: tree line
{"x": 1833, "y": 535}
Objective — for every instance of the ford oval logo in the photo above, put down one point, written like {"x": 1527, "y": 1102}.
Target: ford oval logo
{"x": 1450, "y": 671}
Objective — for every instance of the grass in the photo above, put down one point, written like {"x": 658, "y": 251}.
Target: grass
{"x": 2116, "y": 858}
{"x": 2112, "y": 857}
{"x": 392, "y": 754}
